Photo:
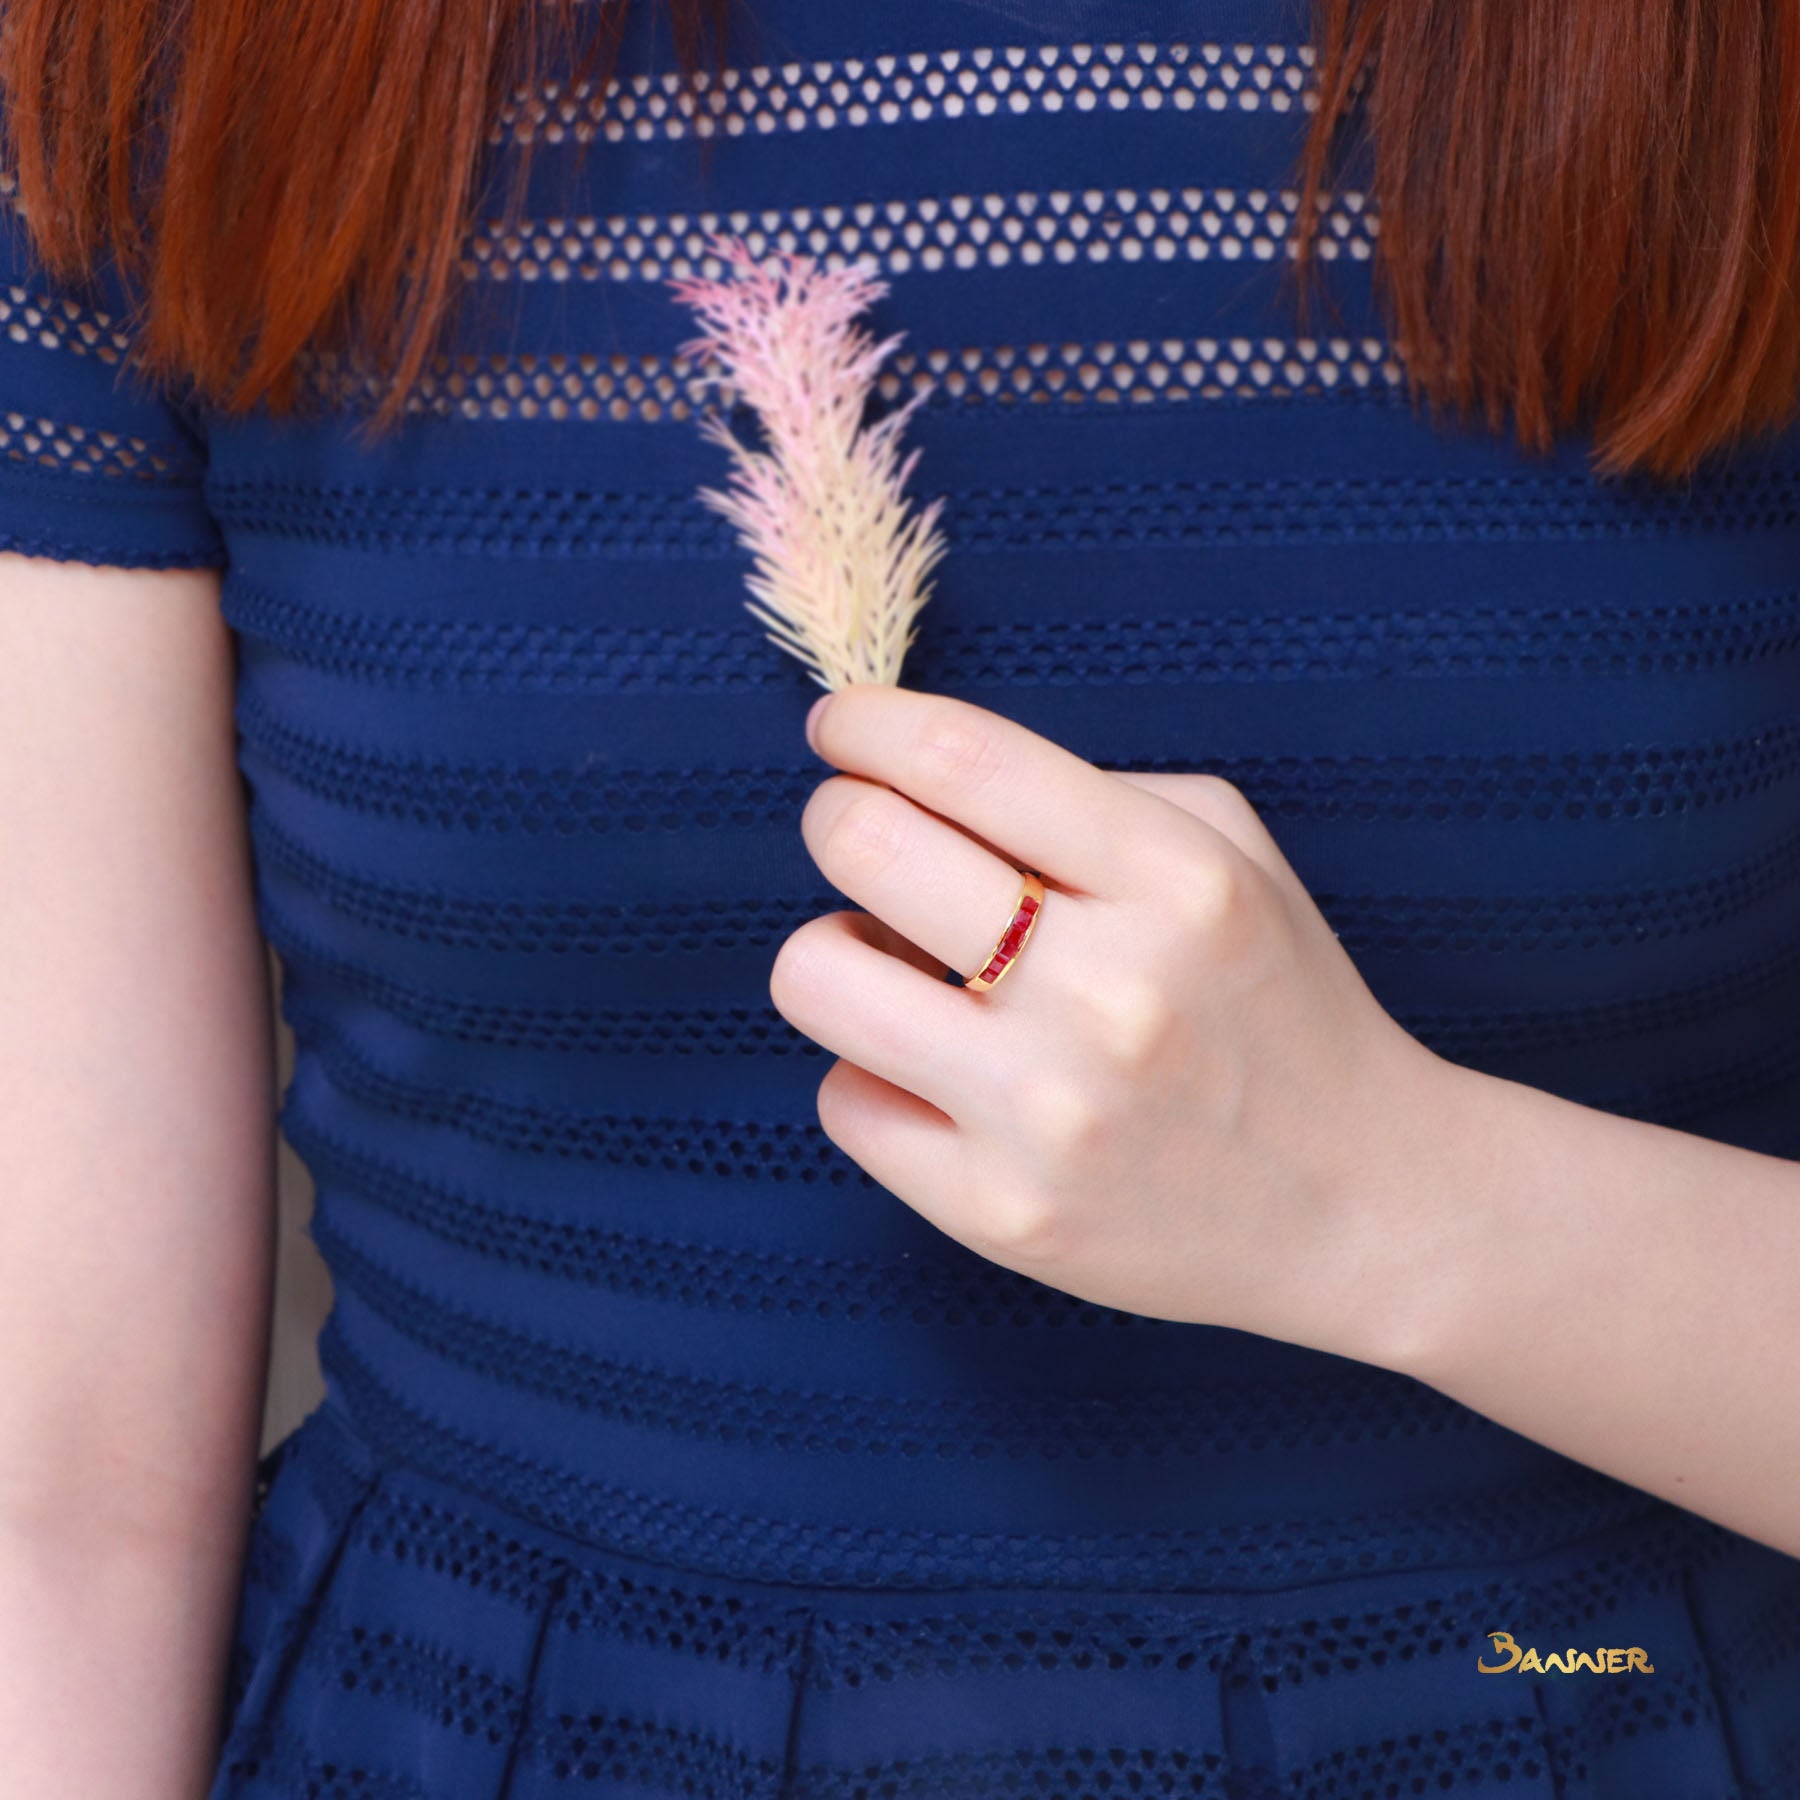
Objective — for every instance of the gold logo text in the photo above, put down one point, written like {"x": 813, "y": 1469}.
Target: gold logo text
{"x": 1595, "y": 1662}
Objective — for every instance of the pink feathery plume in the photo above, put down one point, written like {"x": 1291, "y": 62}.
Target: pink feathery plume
{"x": 841, "y": 565}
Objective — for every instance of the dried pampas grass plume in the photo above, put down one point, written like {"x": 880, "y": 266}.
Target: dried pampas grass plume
{"x": 841, "y": 564}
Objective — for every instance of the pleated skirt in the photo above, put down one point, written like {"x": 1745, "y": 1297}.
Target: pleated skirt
{"x": 400, "y": 1638}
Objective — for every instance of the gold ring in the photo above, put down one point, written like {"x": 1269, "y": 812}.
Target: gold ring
{"x": 1006, "y": 951}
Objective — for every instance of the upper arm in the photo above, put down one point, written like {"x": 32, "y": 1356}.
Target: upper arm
{"x": 136, "y": 1031}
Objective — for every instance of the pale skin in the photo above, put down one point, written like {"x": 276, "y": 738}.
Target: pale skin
{"x": 137, "y": 1179}
{"x": 1650, "y": 1334}
{"x": 1184, "y": 1101}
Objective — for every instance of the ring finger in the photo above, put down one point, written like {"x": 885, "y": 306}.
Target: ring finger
{"x": 832, "y": 983}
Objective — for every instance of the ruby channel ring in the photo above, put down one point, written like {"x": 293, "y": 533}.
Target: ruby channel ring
{"x": 1006, "y": 952}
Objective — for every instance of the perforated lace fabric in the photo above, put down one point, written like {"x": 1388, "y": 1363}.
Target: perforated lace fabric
{"x": 664, "y": 1452}
{"x": 536, "y": 1664}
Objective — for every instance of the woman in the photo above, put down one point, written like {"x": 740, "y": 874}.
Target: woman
{"x": 1319, "y": 1323}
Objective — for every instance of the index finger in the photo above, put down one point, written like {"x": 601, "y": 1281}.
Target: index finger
{"x": 1030, "y": 798}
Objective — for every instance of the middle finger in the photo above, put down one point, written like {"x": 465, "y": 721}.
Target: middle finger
{"x": 919, "y": 873}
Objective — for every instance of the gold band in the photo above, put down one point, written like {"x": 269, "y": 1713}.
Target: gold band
{"x": 1012, "y": 940}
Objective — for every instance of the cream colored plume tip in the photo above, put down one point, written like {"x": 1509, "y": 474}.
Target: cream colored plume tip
{"x": 842, "y": 562}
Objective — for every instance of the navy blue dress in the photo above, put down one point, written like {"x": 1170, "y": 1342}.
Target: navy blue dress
{"x": 664, "y": 1452}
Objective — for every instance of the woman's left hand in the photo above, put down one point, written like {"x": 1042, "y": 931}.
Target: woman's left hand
{"x": 1182, "y": 1100}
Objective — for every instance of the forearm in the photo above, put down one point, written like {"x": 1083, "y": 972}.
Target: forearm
{"x": 136, "y": 1355}
{"x": 128, "y": 1435}
{"x": 135, "y": 1249}
{"x": 113, "y": 1660}
{"x": 1624, "y": 1293}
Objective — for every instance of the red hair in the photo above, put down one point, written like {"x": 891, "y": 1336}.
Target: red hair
{"x": 288, "y": 221}
{"x": 1589, "y": 212}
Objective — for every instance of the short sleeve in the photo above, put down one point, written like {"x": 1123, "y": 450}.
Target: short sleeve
{"x": 97, "y": 465}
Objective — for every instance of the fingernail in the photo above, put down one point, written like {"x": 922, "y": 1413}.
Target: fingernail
{"x": 812, "y": 720}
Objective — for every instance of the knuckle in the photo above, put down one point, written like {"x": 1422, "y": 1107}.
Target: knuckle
{"x": 796, "y": 966}
{"x": 821, "y": 804}
{"x": 1018, "y": 1222}
{"x": 957, "y": 752}
{"x": 1060, "y": 1117}
{"x": 1134, "y": 1018}
{"x": 866, "y": 838}
{"x": 841, "y": 1104}
{"x": 1216, "y": 794}
{"x": 834, "y": 1101}
{"x": 1210, "y": 895}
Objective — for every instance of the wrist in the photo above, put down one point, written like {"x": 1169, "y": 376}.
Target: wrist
{"x": 1437, "y": 1239}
